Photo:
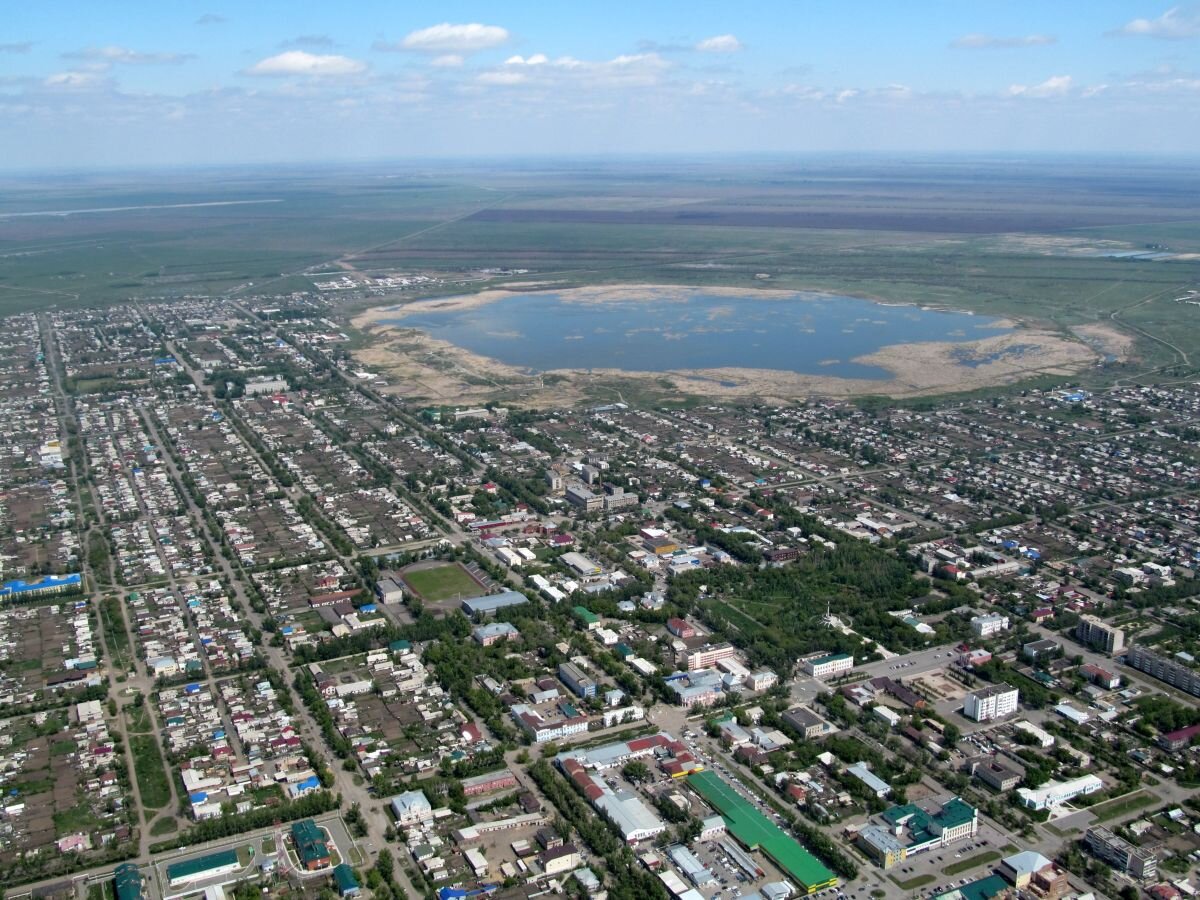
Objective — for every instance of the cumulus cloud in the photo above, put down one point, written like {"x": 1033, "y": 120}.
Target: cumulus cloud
{"x": 1054, "y": 86}
{"x": 298, "y": 62}
{"x": 448, "y": 38}
{"x": 447, "y": 61}
{"x": 112, "y": 54}
{"x": 16, "y": 47}
{"x": 978, "y": 41}
{"x": 721, "y": 43}
{"x": 537, "y": 59}
{"x": 1176, "y": 24}
{"x": 210, "y": 19}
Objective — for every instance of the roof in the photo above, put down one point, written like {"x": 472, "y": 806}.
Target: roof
{"x": 1026, "y": 862}
{"x": 199, "y": 864}
{"x": 19, "y": 586}
{"x": 983, "y": 889}
{"x": 754, "y": 830}
{"x": 310, "y": 842}
{"x": 343, "y": 877}
{"x": 492, "y": 602}
{"x": 586, "y": 614}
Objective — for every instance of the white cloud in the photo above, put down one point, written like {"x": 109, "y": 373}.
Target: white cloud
{"x": 537, "y": 59}
{"x": 1176, "y": 24}
{"x": 721, "y": 43}
{"x": 501, "y": 78}
{"x": 992, "y": 42}
{"x": 297, "y": 62}
{"x": 73, "y": 80}
{"x": 447, "y": 61}
{"x": 114, "y": 54}
{"x": 637, "y": 69}
{"x": 448, "y": 38}
{"x": 1054, "y": 86}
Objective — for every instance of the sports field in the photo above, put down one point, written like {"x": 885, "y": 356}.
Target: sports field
{"x": 757, "y": 832}
{"x": 442, "y": 583}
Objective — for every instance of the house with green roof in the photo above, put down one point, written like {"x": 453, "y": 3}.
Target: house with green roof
{"x": 590, "y": 620}
{"x": 310, "y": 845}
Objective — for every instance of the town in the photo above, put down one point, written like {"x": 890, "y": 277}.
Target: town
{"x": 267, "y": 626}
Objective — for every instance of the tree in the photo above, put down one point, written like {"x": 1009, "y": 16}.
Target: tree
{"x": 635, "y": 771}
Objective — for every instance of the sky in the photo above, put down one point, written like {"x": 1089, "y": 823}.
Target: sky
{"x": 129, "y": 83}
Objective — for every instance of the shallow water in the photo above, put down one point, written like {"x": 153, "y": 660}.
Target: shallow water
{"x": 812, "y": 334}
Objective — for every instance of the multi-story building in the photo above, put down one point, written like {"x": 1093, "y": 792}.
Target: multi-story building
{"x": 1117, "y": 852}
{"x": 1175, "y": 674}
{"x": 708, "y": 656}
{"x": 1099, "y": 635}
{"x": 993, "y": 702}
{"x": 828, "y": 666}
{"x": 576, "y": 679}
{"x": 808, "y": 723}
{"x": 989, "y": 625}
{"x": 579, "y": 496}
{"x": 995, "y": 774}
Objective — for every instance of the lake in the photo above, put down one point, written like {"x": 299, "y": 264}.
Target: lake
{"x": 812, "y": 334}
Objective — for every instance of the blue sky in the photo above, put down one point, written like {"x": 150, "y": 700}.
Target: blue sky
{"x": 192, "y": 81}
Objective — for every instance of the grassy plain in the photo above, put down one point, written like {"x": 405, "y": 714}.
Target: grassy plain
{"x": 1016, "y": 238}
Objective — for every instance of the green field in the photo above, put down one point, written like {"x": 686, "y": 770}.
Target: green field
{"x": 1121, "y": 806}
{"x": 442, "y": 583}
{"x": 913, "y": 883}
{"x": 151, "y": 775}
{"x": 971, "y": 862}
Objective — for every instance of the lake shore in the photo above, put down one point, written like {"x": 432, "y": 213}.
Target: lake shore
{"x": 426, "y": 368}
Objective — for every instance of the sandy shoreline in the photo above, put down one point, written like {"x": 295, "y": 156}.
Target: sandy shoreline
{"x": 428, "y": 368}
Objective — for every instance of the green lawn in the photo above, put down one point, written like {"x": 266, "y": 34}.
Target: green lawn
{"x": 913, "y": 883}
{"x": 164, "y": 826}
{"x": 442, "y": 583}
{"x": 151, "y": 775}
{"x": 1112, "y": 809}
{"x": 971, "y": 862}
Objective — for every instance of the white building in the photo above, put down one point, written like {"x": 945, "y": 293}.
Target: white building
{"x": 993, "y": 702}
{"x": 828, "y": 666}
{"x": 1058, "y": 792}
{"x": 989, "y": 625}
{"x": 411, "y": 808}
